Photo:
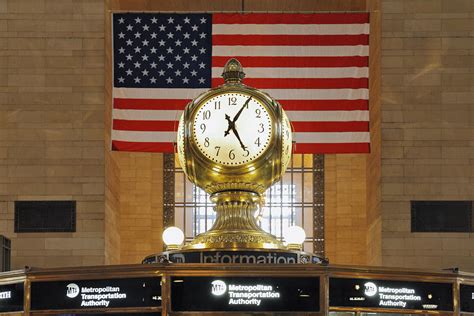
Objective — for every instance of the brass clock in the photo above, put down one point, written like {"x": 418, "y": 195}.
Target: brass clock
{"x": 234, "y": 141}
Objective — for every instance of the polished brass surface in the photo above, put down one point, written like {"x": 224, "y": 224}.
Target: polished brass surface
{"x": 235, "y": 226}
{"x": 236, "y": 189}
{"x": 294, "y": 246}
{"x": 233, "y": 71}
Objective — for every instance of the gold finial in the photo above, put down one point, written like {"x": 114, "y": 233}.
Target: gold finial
{"x": 233, "y": 71}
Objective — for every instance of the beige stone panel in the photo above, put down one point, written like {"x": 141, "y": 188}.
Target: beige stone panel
{"x": 26, "y": 171}
{"x": 457, "y": 97}
{"x": 393, "y": 27}
{"x": 29, "y": 244}
{"x": 69, "y": 80}
{"x": 63, "y": 152}
{"x": 74, "y": 243}
{"x": 392, "y": 152}
{"x": 304, "y": 5}
{"x": 393, "y": 44}
{"x": 64, "y": 43}
{"x": 422, "y": 152}
{"x": 86, "y": 253}
{"x": 60, "y": 116}
{"x": 454, "y": 171}
{"x": 430, "y": 25}
{"x": 421, "y": 79}
{"x": 59, "y": 7}
{"x": 423, "y": 6}
{"x": 461, "y": 6}
{"x": 422, "y": 134}
{"x": 392, "y": 189}
{"x": 91, "y": 226}
{"x": 93, "y": 44}
{"x": 93, "y": 153}
{"x": 62, "y": 135}
{"x": 177, "y": 5}
{"x": 63, "y": 188}
{"x": 393, "y": 116}
{"x": 457, "y": 134}
{"x": 392, "y": 6}
{"x": 392, "y": 62}
{"x": 456, "y": 245}
{"x": 456, "y": 152}
{"x": 26, "y": 80}
{"x": 16, "y": 43}
{"x": 28, "y": 261}
{"x": 25, "y": 6}
{"x": 3, "y": 6}
{"x": 62, "y": 25}
{"x": 429, "y": 118}
{"x": 25, "y": 25}
{"x": 392, "y": 171}
{"x": 422, "y": 171}
{"x": 93, "y": 188}
{"x": 3, "y": 79}
{"x": 456, "y": 25}
{"x": 19, "y": 116}
{"x": 93, "y": 98}
{"x": 456, "y": 43}
{"x": 92, "y": 260}
{"x": 25, "y": 189}
{"x": 422, "y": 43}
{"x": 63, "y": 62}
{"x": 25, "y": 152}
{"x": 61, "y": 261}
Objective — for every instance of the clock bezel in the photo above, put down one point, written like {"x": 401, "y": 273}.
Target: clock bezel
{"x": 265, "y": 101}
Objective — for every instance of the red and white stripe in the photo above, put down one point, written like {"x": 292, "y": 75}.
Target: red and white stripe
{"x": 315, "y": 65}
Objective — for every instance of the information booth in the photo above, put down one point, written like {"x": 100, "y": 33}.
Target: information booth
{"x": 235, "y": 289}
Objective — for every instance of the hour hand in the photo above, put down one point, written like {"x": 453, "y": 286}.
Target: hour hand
{"x": 229, "y": 126}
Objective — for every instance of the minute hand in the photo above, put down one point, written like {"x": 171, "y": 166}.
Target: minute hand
{"x": 240, "y": 111}
{"x": 238, "y": 137}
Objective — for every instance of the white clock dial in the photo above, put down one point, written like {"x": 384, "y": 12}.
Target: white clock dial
{"x": 232, "y": 129}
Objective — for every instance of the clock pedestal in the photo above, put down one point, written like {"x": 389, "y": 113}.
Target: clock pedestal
{"x": 235, "y": 226}
{"x": 234, "y": 142}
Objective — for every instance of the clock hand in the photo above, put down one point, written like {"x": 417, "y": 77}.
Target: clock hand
{"x": 238, "y": 137}
{"x": 229, "y": 126}
{"x": 240, "y": 111}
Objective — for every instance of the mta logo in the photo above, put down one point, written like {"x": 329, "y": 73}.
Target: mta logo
{"x": 218, "y": 287}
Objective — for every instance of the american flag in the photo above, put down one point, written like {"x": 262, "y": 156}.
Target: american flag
{"x": 315, "y": 65}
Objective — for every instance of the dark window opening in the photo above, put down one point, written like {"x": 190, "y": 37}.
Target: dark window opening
{"x": 441, "y": 216}
{"x": 45, "y": 216}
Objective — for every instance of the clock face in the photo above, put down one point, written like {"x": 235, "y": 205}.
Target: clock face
{"x": 232, "y": 128}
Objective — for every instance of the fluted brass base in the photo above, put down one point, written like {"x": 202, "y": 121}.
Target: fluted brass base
{"x": 235, "y": 226}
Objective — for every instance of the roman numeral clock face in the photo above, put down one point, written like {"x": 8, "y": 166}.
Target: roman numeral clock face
{"x": 232, "y": 129}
